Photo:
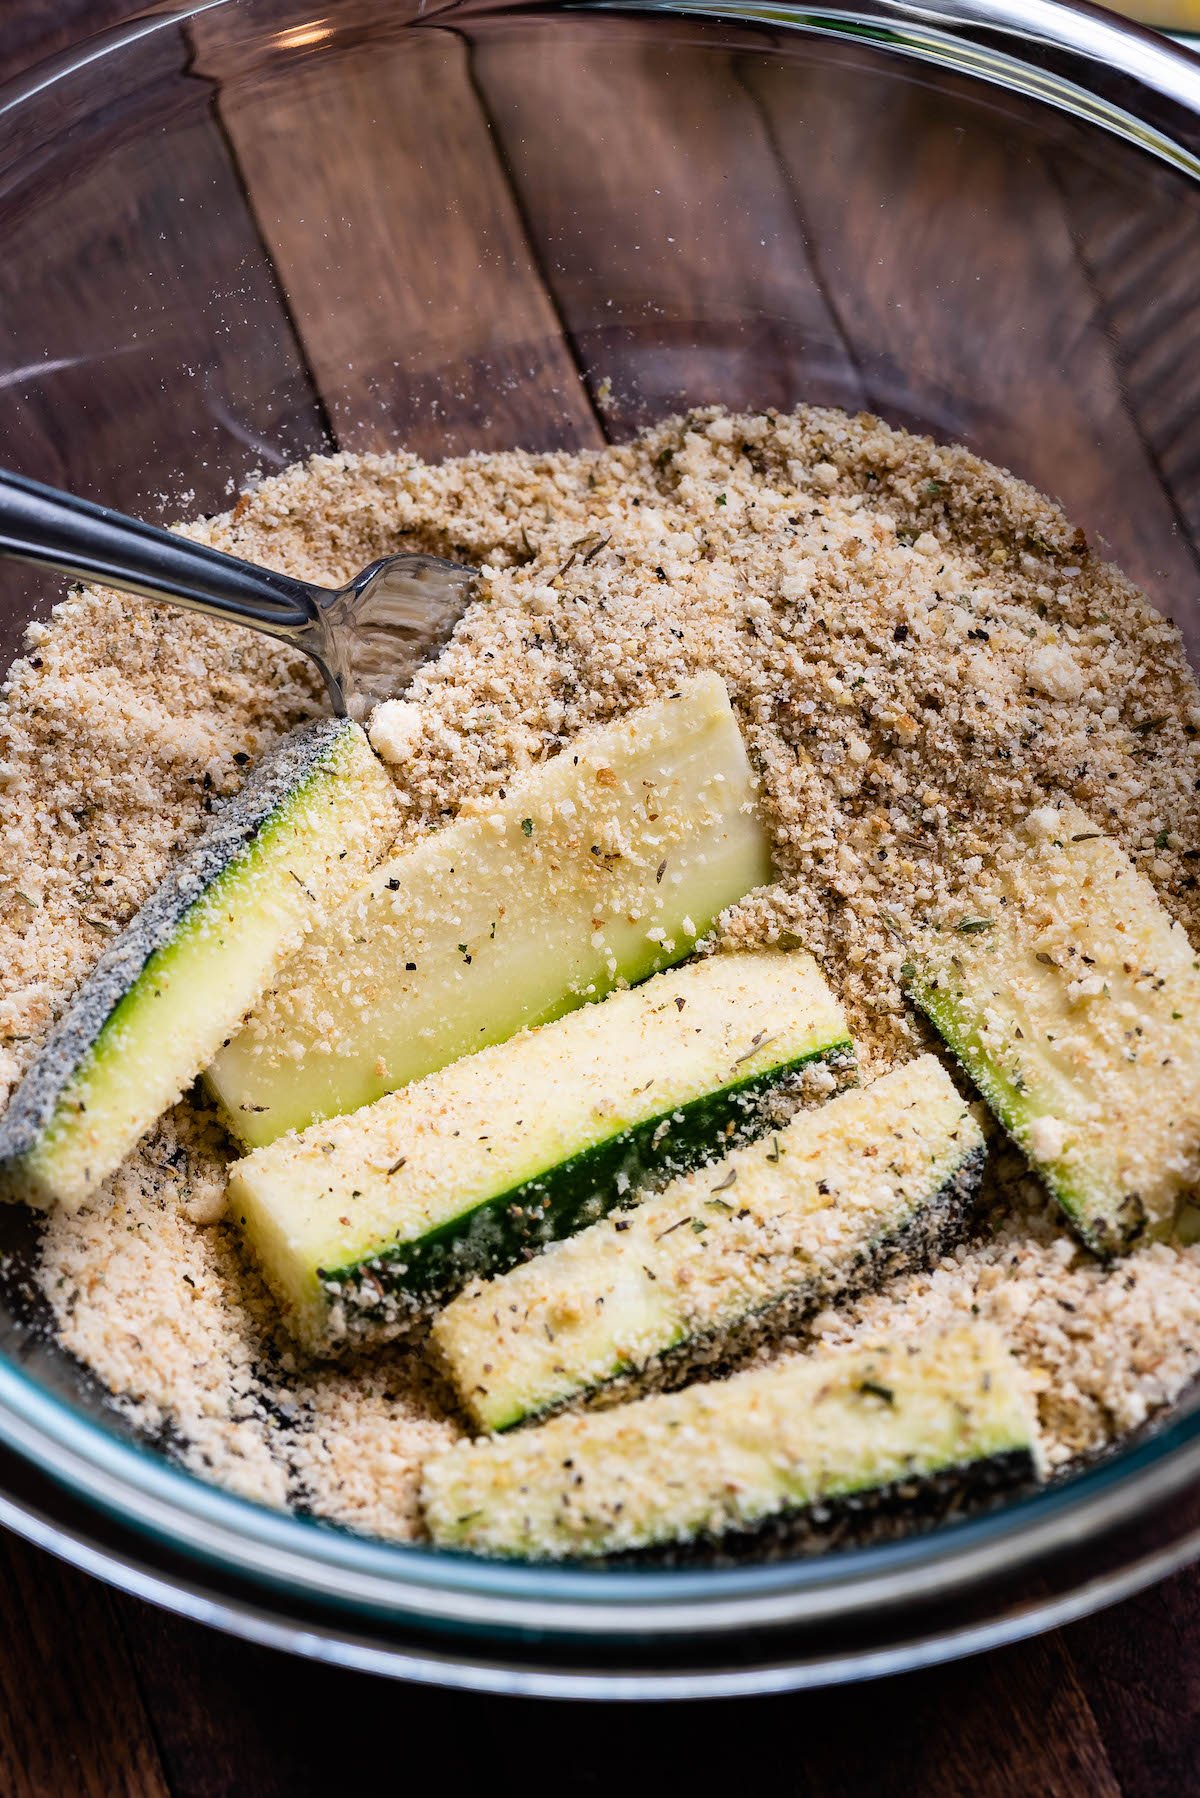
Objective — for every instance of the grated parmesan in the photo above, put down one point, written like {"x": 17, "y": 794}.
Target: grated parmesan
{"x": 921, "y": 650}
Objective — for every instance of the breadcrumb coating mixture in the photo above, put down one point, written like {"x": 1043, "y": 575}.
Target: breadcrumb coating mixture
{"x": 921, "y": 650}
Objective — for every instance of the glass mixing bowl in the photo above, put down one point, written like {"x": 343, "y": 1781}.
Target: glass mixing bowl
{"x": 238, "y": 232}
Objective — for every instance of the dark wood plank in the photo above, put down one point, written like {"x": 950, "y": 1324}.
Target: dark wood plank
{"x": 72, "y": 1720}
{"x": 1109, "y": 1705}
{"x": 661, "y": 218}
{"x": 139, "y": 256}
{"x": 40, "y": 29}
{"x": 1140, "y": 1666}
{"x": 234, "y": 1720}
{"x": 946, "y": 250}
{"x": 404, "y": 258}
{"x": 1144, "y": 268}
{"x": 1002, "y": 1726}
{"x": 1011, "y": 1723}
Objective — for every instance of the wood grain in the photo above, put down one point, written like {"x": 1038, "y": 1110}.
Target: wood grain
{"x": 139, "y": 258}
{"x": 404, "y": 258}
{"x": 948, "y": 256}
{"x": 99, "y": 1694}
{"x": 1013, "y": 1723}
{"x": 1016, "y": 1721}
{"x": 139, "y": 262}
{"x": 1008, "y": 1725}
{"x": 72, "y": 1720}
{"x": 37, "y": 29}
{"x": 1140, "y": 1666}
{"x": 662, "y": 220}
{"x": 1144, "y": 267}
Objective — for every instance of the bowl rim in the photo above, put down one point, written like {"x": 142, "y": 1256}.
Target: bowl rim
{"x": 217, "y": 1528}
{"x": 299, "y": 1558}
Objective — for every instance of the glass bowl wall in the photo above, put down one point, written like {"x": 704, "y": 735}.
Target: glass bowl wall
{"x": 241, "y": 232}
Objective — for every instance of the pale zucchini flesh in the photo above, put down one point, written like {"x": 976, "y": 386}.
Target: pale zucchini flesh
{"x": 1073, "y": 1001}
{"x": 870, "y": 1182}
{"x": 595, "y": 869}
{"x": 312, "y": 818}
{"x": 732, "y": 1454}
{"x": 358, "y": 1221}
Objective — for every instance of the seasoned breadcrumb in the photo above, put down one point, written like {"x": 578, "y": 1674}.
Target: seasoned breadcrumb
{"x": 920, "y": 648}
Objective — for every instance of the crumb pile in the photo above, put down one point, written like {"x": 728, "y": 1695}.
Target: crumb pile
{"x": 921, "y": 649}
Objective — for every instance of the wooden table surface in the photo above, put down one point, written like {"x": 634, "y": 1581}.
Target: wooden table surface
{"x": 101, "y": 1694}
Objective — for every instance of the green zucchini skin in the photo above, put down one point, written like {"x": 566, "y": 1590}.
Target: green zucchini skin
{"x": 874, "y": 1181}
{"x": 415, "y": 1276}
{"x": 498, "y": 1152}
{"x": 725, "y": 1457}
{"x": 574, "y": 883}
{"x": 855, "y": 1520}
{"x": 313, "y": 815}
{"x": 1115, "y": 1234}
{"x": 918, "y": 1242}
{"x": 1071, "y": 1002}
